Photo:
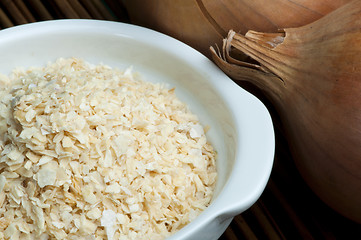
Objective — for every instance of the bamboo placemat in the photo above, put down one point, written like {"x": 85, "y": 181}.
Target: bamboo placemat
{"x": 287, "y": 208}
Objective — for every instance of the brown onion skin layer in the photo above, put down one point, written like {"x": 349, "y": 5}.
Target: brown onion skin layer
{"x": 318, "y": 98}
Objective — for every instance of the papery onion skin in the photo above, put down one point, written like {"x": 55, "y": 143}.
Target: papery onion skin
{"x": 201, "y": 23}
{"x": 318, "y": 98}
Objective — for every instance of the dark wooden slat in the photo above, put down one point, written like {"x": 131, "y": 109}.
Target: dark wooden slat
{"x": 39, "y": 9}
{"x": 53, "y": 8}
{"x": 24, "y": 10}
{"x": 66, "y": 9}
{"x": 91, "y": 8}
{"x": 79, "y": 9}
{"x": 243, "y": 227}
{"x": 229, "y": 234}
{"x": 14, "y": 12}
{"x": 5, "y": 22}
{"x": 296, "y": 221}
{"x": 118, "y": 9}
{"x": 103, "y": 10}
{"x": 271, "y": 219}
{"x": 265, "y": 221}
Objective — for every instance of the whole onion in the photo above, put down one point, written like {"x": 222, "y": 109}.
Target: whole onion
{"x": 312, "y": 75}
{"x": 201, "y": 23}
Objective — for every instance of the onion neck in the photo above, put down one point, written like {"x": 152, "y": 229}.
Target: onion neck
{"x": 272, "y": 86}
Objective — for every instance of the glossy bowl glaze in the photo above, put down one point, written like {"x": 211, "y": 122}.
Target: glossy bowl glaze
{"x": 241, "y": 129}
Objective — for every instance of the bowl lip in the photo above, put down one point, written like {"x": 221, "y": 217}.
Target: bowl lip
{"x": 229, "y": 91}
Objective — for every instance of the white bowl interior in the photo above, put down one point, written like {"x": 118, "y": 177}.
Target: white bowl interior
{"x": 158, "y": 58}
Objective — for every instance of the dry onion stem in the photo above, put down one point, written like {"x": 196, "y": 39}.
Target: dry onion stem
{"x": 312, "y": 74}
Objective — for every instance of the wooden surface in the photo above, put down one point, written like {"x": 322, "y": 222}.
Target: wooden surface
{"x": 287, "y": 208}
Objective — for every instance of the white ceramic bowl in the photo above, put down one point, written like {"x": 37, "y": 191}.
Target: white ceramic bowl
{"x": 241, "y": 127}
